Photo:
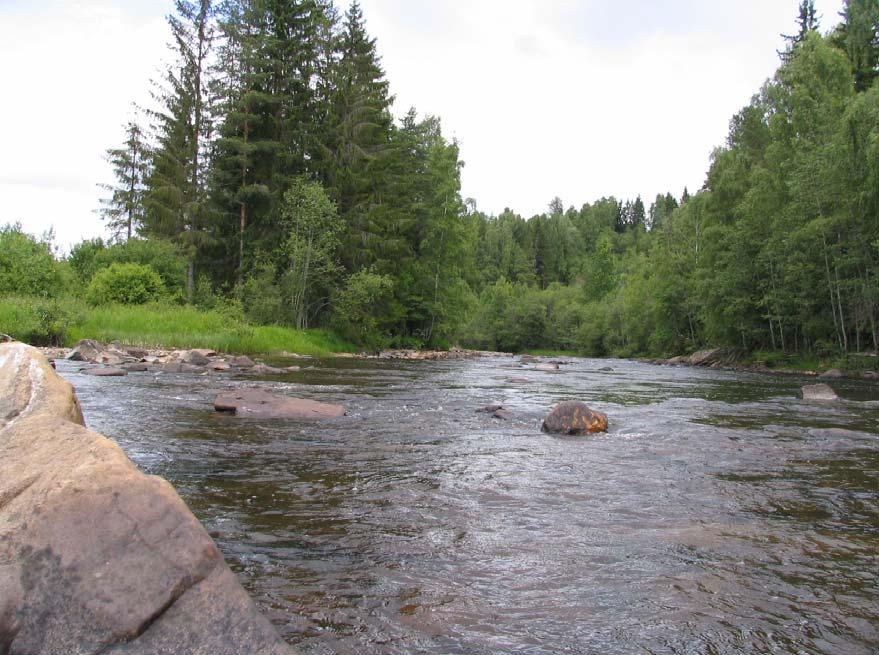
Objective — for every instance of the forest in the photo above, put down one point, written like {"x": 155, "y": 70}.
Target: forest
{"x": 273, "y": 180}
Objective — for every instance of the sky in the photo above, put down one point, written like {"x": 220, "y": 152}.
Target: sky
{"x": 571, "y": 98}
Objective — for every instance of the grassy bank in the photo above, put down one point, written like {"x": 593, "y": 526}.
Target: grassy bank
{"x": 51, "y": 322}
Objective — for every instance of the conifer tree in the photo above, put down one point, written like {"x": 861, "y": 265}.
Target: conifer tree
{"x": 807, "y": 20}
{"x": 124, "y": 209}
{"x": 176, "y": 202}
{"x": 860, "y": 36}
{"x": 359, "y": 135}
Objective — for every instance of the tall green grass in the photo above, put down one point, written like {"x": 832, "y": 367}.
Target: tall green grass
{"x": 166, "y": 325}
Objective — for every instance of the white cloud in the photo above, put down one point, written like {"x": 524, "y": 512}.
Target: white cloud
{"x": 576, "y": 98}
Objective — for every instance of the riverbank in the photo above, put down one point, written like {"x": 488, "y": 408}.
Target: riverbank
{"x": 157, "y": 326}
{"x": 862, "y": 366}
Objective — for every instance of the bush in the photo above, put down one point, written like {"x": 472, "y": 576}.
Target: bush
{"x": 128, "y": 284}
{"x": 260, "y": 296}
{"x": 27, "y": 266}
{"x": 89, "y": 257}
{"x": 37, "y": 321}
{"x": 361, "y": 311}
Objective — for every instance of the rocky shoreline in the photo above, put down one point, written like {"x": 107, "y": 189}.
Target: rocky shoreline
{"x": 95, "y": 556}
{"x": 728, "y": 359}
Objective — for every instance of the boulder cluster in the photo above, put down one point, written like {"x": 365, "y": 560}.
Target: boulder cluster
{"x": 117, "y": 360}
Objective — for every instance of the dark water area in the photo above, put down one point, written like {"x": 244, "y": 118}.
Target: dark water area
{"x": 719, "y": 514}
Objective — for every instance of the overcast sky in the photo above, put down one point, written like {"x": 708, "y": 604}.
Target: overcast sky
{"x": 571, "y": 98}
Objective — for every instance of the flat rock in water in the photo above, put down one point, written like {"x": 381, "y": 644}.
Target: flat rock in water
{"x": 265, "y": 369}
{"x": 219, "y": 366}
{"x": 136, "y": 367}
{"x": 502, "y": 414}
{"x": 549, "y": 368}
{"x": 573, "y": 417}
{"x": 832, "y": 374}
{"x": 490, "y": 409}
{"x": 255, "y": 403}
{"x": 818, "y": 392}
{"x": 108, "y": 372}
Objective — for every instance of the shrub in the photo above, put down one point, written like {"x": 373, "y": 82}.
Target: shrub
{"x": 361, "y": 309}
{"x": 27, "y": 266}
{"x": 128, "y": 284}
{"x": 37, "y": 321}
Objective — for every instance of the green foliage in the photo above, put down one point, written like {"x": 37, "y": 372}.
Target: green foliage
{"x": 127, "y": 284}
{"x": 260, "y": 296}
{"x": 161, "y": 325}
{"x": 361, "y": 311}
{"x": 38, "y": 321}
{"x": 27, "y": 266}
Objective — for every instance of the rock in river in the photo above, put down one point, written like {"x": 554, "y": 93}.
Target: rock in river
{"x": 818, "y": 392}
{"x": 255, "y": 403}
{"x": 574, "y": 417}
{"x": 105, "y": 372}
{"x": 95, "y": 556}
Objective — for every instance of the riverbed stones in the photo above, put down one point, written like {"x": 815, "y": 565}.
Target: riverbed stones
{"x": 95, "y": 556}
{"x": 573, "y": 417}
{"x": 256, "y": 403}
{"x": 818, "y": 392}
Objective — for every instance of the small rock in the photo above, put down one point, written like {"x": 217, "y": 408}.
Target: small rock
{"x": 606, "y": 369}
{"x": 256, "y": 403}
{"x": 870, "y": 375}
{"x": 135, "y": 367}
{"x": 196, "y": 358}
{"x": 219, "y": 366}
{"x": 502, "y": 414}
{"x": 549, "y": 368}
{"x": 293, "y": 369}
{"x": 574, "y": 417}
{"x": 820, "y": 392}
{"x": 137, "y": 352}
{"x": 242, "y": 361}
{"x": 832, "y": 374}
{"x": 105, "y": 372}
{"x": 490, "y": 409}
{"x": 87, "y": 350}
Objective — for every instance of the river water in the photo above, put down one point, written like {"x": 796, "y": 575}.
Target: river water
{"x": 719, "y": 514}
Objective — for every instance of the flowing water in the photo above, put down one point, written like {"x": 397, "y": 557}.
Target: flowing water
{"x": 719, "y": 514}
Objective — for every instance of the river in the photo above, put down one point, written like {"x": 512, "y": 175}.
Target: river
{"x": 719, "y": 513}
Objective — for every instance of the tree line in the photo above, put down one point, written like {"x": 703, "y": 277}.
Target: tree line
{"x": 275, "y": 168}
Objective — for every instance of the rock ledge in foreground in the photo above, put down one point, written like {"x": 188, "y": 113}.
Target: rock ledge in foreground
{"x": 574, "y": 418}
{"x": 255, "y": 403}
{"x": 95, "y": 556}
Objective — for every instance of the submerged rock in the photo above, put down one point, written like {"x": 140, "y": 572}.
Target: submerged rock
{"x": 97, "y": 557}
{"x": 106, "y": 372}
{"x": 574, "y": 417}
{"x": 832, "y": 374}
{"x": 256, "y": 403}
{"x": 821, "y": 392}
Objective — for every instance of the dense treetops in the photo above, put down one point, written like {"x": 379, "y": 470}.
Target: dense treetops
{"x": 276, "y": 173}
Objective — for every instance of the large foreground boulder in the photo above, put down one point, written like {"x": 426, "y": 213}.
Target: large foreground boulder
{"x": 573, "y": 417}
{"x": 255, "y": 403}
{"x": 95, "y": 556}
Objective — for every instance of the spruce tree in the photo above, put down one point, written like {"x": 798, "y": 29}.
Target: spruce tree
{"x": 358, "y": 139}
{"x": 807, "y": 20}
{"x": 176, "y": 202}
{"x": 860, "y": 37}
{"x": 124, "y": 209}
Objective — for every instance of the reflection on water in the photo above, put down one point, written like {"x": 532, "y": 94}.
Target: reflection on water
{"x": 719, "y": 514}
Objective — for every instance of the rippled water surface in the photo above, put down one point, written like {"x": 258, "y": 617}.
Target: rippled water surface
{"x": 718, "y": 515}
